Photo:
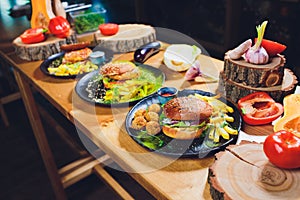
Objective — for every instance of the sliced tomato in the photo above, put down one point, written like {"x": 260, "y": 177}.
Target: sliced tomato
{"x": 259, "y": 108}
{"x": 109, "y": 28}
{"x": 272, "y": 48}
{"x": 33, "y": 35}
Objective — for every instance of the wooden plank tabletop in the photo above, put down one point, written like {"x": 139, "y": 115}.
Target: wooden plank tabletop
{"x": 164, "y": 177}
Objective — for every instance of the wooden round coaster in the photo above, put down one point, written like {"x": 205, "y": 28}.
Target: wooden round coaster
{"x": 42, "y": 50}
{"x": 129, "y": 38}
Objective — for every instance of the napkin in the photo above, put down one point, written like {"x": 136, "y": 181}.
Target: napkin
{"x": 251, "y": 138}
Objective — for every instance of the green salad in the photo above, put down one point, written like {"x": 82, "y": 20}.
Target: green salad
{"x": 105, "y": 90}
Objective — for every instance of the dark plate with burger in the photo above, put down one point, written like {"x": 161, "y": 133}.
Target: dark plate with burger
{"x": 185, "y": 125}
{"x": 74, "y": 62}
{"x": 120, "y": 83}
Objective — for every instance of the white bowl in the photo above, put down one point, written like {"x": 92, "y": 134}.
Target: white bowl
{"x": 179, "y": 57}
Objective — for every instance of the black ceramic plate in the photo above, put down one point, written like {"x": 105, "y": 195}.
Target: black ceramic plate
{"x": 163, "y": 144}
{"x": 83, "y": 82}
{"x": 46, "y": 63}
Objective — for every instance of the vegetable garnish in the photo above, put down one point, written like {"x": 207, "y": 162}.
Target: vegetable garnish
{"x": 238, "y": 52}
{"x": 283, "y": 149}
{"x": 60, "y": 27}
{"x": 290, "y": 120}
{"x": 70, "y": 69}
{"x": 257, "y": 54}
{"x": 88, "y": 21}
{"x": 106, "y": 90}
{"x": 193, "y": 71}
{"x": 272, "y": 48}
{"x": 259, "y": 108}
{"x": 108, "y": 29}
{"x": 33, "y": 35}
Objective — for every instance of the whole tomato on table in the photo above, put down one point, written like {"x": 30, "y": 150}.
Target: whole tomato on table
{"x": 33, "y": 35}
{"x": 59, "y": 26}
{"x": 283, "y": 149}
{"x": 259, "y": 108}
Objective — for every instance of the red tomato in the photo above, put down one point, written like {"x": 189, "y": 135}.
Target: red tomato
{"x": 259, "y": 108}
{"x": 33, "y": 35}
{"x": 272, "y": 48}
{"x": 59, "y": 26}
{"x": 283, "y": 149}
{"x": 108, "y": 28}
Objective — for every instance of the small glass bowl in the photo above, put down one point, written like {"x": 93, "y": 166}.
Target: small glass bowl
{"x": 97, "y": 57}
{"x": 85, "y": 21}
{"x": 165, "y": 94}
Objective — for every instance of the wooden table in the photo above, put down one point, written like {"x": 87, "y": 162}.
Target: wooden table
{"x": 163, "y": 177}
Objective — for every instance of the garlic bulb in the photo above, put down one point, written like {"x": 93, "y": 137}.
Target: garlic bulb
{"x": 257, "y": 54}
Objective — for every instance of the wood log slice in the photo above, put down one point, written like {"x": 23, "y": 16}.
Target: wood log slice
{"x": 129, "y": 38}
{"x": 42, "y": 50}
{"x": 267, "y": 75}
{"x": 244, "y": 172}
{"x": 235, "y": 91}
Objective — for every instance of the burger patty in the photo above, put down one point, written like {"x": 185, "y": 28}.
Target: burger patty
{"x": 77, "y": 55}
{"x": 116, "y": 68}
{"x": 120, "y": 70}
{"x": 187, "y": 108}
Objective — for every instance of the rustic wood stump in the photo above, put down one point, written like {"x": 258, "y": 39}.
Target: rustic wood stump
{"x": 244, "y": 172}
{"x": 267, "y": 75}
{"x": 42, "y": 50}
{"x": 234, "y": 91}
{"x": 129, "y": 38}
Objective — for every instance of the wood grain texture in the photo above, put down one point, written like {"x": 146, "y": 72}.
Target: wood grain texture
{"x": 240, "y": 71}
{"x": 244, "y": 172}
{"x": 234, "y": 91}
{"x": 42, "y": 50}
{"x": 40, "y": 136}
{"x": 129, "y": 38}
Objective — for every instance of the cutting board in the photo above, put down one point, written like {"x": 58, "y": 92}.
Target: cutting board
{"x": 42, "y": 50}
{"x": 129, "y": 38}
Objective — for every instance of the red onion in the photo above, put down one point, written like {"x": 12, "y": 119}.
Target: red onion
{"x": 193, "y": 71}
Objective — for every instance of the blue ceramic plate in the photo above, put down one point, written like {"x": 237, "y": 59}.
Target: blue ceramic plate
{"x": 163, "y": 144}
{"x": 81, "y": 86}
{"x": 46, "y": 63}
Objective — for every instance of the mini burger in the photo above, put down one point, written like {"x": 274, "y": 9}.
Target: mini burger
{"x": 185, "y": 117}
{"x": 77, "y": 55}
{"x": 120, "y": 70}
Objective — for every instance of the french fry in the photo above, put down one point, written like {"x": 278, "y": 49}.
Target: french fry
{"x": 219, "y": 120}
{"x": 230, "y": 130}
